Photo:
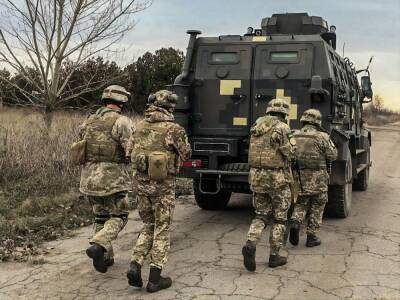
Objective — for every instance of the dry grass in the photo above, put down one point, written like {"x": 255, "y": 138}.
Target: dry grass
{"x": 379, "y": 117}
{"x": 34, "y": 160}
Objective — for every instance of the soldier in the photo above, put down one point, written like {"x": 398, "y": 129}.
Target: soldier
{"x": 270, "y": 155}
{"x": 105, "y": 176}
{"x": 159, "y": 146}
{"x": 315, "y": 153}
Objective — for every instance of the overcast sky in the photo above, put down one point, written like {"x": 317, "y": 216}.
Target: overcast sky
{"x": 367, "y": 27}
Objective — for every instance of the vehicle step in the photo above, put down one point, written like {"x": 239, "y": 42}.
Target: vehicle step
{"x": 360, "y": 151}
{"x": 361, "y": 168}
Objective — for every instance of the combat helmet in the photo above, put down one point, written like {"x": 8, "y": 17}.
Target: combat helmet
{"x": 312, "y": 116}
{"x": 278, "y": 106}
{"x": 163, "y": 98}
{"x": 116, "y": 93}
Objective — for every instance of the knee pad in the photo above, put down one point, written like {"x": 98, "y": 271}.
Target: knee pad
{"x": 281, "y": 222}
{"x": 101, "y": 218}
{"x": 123, "y": 217}
{"x": 265, "y": 218}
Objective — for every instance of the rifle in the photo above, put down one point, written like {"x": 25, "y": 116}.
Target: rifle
{"x": 294, "y": 189}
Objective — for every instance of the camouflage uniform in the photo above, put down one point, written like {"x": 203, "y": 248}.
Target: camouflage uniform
{"x": 270, "y": 178}
{"x": 156, "y": 200}
{"x": 315, "y": 150}
{"x": 105, "y": 177}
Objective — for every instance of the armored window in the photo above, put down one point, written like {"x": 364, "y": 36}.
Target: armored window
{"x": 284, "y": 57}
{"x": 224, "y": 58}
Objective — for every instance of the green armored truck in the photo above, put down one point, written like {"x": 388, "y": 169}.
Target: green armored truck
{"x": 227, "y": 82}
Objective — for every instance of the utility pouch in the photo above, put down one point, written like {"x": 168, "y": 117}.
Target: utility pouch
{"x": 158, "y": 166}
{"x": 78, "y": 153}
{"x": 141, "y": 162}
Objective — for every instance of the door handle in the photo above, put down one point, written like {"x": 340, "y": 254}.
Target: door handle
{"x": 238, "y": 98}
{"x": 261, "y": 97}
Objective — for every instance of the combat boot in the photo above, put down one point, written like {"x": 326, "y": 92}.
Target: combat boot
{"x": 96, "y": 252}
{"x": 276, "y": 261}
{"x": 249, "y": 256}
{"x": 135, "y": 275}
{"x": 109, "y": 261}
{"x": 294, "y": 235}
{"x": 156, "y": 281}
{"x": 312, "y": 240}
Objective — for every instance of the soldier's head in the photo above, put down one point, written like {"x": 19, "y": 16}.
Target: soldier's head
{"x": 311, "y": 116}
{"x": 278, "y": 107}
{"x": 115, "y": 95}
{"x": 165, "y": 99}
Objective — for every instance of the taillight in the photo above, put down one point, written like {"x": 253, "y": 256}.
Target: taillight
{"x": 194, "y": 163}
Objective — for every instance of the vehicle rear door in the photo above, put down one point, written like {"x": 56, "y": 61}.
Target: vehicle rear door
{"x": 222, "y": 100}
{"x": 282, "y": 71}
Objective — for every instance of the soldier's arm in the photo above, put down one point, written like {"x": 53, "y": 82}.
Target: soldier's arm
{"x": 178, "y": 140}
{"x": 122, "y": 132}
{"x": 330, "y": 148}
{"x": 285, "y": 147}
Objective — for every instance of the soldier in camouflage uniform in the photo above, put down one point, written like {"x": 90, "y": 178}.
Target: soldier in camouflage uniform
{"x": 315, "y": 153}
{"x": 105, "y": 176}
{"x": 159, "y": 146}
{"x": 270, "y": 155}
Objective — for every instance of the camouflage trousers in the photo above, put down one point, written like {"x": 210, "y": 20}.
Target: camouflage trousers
{"x": 313, "y": 207}
{"x": 272, "y": 208}
{"x": 111, "y": 216}
{"x": 155, "y": 203}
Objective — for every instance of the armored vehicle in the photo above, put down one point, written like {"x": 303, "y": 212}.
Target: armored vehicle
{"x": 227, "y": 82}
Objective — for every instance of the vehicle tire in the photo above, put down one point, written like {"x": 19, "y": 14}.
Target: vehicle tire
{"x": 208, "y": 201}
{"x": 361, "y": 183}
{"x": 339, "y": 204}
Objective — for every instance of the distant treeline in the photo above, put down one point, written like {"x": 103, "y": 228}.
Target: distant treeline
{"x": 150, "y": 72}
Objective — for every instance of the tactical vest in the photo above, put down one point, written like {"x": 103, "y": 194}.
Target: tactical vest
{"x": 263, "y": 152}
{"x": 100, "y": 145}
{"x": 307, "y": 152}
{"x": 149, "y": 139}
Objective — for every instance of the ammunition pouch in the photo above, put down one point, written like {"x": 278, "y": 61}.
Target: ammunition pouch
{"x": 107, "y": 152}
{"x": 78, "y": 153}
{"x": 158, "y": 166}
{"x": 312, "y": 164}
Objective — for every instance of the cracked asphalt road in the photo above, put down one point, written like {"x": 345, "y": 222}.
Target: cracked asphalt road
{"x": 359, "y": 257}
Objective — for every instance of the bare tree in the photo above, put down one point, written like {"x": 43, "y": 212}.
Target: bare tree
{"x": 39, "y": 38}
{"x": 378, "y": 102}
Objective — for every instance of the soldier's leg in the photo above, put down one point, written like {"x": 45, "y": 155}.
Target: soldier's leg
{"x": 318, "y": 203}
{"x": 280, "y": 204}
{"x": 144, "y": 242}
{"x": 299, "y": 213}
{"x": 262, "y": 206}
{"x": 163, "y": 210}
{"x": 300, "y": 209}
{"x": 116, "y": 206}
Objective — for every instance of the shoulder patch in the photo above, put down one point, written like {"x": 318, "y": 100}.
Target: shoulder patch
{"x": 292, "y": 139}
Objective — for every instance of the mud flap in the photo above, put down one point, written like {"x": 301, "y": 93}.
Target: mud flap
{"x": 218, "y": 185}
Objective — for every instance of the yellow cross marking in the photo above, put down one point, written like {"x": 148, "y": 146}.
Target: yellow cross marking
{"x": 280, "y": 93}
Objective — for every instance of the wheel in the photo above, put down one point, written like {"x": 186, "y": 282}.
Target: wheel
{"x": 361, "y": 183}
{"x": 208, "y": 201}
{"x": 339, "y": 204}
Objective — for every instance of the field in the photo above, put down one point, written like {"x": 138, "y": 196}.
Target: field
{"x": 39, "y": 197}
